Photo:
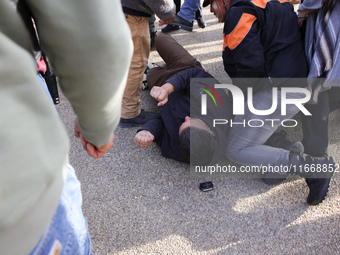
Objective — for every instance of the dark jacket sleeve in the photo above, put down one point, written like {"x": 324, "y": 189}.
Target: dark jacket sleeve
{"x": 181, "y": 80}
{"x": 155, "y": 127}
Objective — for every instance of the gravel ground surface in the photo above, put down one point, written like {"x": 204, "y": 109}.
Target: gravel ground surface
{"x": 138, "y": 202}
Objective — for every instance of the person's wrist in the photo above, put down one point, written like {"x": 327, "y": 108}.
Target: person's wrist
{"x": 168, "y": 87}
{"x": 301, "y": 16}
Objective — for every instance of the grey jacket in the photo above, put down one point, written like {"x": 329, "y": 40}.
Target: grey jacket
{"x": 90, "y": 55}
{"x": 164, "y": 9}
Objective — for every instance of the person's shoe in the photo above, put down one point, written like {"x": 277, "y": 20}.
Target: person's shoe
{"x": 318, "y": 173}
{"x": 279, "y": 140}
{"x": 184, "y": 24}
{"x": 318, "y": 189}
{"x": 153, "y": 35}
{"x": 200, "y": 20}
{"x": 140, "y": 120}
{"x": 170, "y": 28}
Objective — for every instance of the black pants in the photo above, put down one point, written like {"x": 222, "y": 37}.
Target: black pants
{"x": 316, "y": 127}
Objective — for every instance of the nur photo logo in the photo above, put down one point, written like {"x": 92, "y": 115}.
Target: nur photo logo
{"x": 240, "y": 102}
{"x": 204, "y": 97}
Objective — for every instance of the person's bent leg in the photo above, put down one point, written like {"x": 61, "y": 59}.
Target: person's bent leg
{"x": 245, "y": 142}
{"x": 174, "y": 55}
{"x": 176, "y": 58}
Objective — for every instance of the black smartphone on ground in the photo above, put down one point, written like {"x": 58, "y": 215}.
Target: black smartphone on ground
{"x": 206, "y": 186}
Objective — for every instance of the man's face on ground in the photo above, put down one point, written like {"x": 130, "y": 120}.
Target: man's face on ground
{"x": 218, "y": 8}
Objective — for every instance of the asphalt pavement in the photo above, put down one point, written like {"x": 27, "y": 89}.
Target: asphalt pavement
{"x": 138, "y": 202}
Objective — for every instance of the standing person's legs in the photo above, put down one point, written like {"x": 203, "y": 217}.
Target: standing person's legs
{"x": 315, "y": 127}
{"x": 67, "y": 232}
{"x": 186, "y": 16}
{"x": 188, "y": 10}
{"x": 176, "y": 58}
{"x": 139, "y": 27}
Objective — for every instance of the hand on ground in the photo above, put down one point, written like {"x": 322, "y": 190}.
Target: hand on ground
{"x": 144, "y": 138}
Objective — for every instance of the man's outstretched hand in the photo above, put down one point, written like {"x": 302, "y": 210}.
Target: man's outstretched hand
{"x": 144, "y": 138}
{"x": 92, "y": 150}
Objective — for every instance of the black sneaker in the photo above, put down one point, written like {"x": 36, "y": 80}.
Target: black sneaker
{"x": 170, "y": 28}
{"x": 199, "y": 18}
{"x": 140, "y": 120}
{"x": 200, "y": 22}
{"x": 184, "y": 24}
{"x": 318, "y": 173}
{"x": 319, "y": 182}
{"x": 318, "y": 189}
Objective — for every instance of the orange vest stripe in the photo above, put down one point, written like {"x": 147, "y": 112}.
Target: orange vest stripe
{"x": 262, "y": 3}
{"x": 241, "y": 30}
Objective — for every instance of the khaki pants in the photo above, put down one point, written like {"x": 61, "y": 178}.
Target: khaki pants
{"x": 139, "y": 27}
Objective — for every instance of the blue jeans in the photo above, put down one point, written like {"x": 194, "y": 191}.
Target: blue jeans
{"x": 44, "y": 86}
{"x": 245, "y": 144}
{"x": 67, "y": 231}
{"x": 188, "y": 9}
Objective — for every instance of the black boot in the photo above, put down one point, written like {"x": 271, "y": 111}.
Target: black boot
{"x": 318, "y": 173}
{"x": 140, "y": 120}
{"x": 279, "y": 140}
{"x": 199, "y": 18}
